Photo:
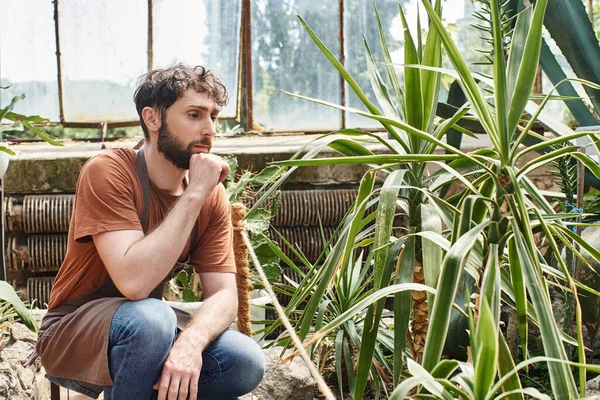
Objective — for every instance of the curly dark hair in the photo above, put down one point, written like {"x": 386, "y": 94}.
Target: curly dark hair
{"x": 160, "y": 88}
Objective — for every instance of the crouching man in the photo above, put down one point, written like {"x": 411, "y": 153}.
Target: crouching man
{"x": 136, "y": 218}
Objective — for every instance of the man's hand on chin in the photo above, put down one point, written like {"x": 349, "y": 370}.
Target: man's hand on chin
{"x": 181, "y": 371}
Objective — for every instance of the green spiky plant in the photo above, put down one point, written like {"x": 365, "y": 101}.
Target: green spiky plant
{"x": 489, "y": 226}
{"x": 412, "y": 102}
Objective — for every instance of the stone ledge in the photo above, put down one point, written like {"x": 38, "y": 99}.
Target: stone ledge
{"x": 40, "y": 168}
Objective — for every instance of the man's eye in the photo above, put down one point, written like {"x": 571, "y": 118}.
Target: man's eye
{"x": 193, "y": 114}
{"x": 213, "y": 117}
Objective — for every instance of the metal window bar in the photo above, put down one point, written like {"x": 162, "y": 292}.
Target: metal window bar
{"x": 245, "y": 47}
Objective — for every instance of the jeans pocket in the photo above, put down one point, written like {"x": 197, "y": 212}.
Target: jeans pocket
{"x": 84, "y": 388}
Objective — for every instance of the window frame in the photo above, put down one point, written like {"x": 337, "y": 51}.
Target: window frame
{"x": 244, "y": 107}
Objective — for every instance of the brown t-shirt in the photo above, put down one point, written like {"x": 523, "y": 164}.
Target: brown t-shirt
{"x": 109, "y": 198}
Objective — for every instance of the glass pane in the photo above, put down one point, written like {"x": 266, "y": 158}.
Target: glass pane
{"x": 359, "y": 20}
{"x": 285, "y": 57}
{"x": 469, "y": 39}
{"x": 27, "y": 58}
{"x": 200, "y": 32}
{"x": 103, "y": 52}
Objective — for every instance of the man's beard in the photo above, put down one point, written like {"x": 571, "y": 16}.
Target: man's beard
{"x": 174, "y": 149}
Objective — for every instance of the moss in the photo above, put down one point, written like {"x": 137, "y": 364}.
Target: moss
{"x": 58, "y": 175}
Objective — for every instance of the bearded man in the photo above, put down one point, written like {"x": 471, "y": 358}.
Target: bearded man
{"x": 137, "y": 218}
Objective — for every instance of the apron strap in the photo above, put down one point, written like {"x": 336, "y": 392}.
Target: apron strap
{"x": 145, "y": 182}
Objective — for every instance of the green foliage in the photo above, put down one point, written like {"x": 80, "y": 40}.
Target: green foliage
{"x": 491, "y": 220}
{"x": 591, "y": 201}
{"x": 565, "y": 174}
{"x": 486, "y": 26}
{"x": 21, "y": 122}
{"x": 258, "y": 219}
{"x": 10, "y": 297}
{"x": 182, "y": 288}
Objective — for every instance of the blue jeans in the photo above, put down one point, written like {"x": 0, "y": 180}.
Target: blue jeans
{"x": 141, "y": 336}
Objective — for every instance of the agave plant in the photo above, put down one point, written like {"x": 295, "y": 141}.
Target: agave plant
{"x": 485, "y": 232}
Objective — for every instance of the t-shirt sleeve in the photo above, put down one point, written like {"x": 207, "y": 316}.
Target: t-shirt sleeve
{"x": 104, "y": 200}
{"x": 214, "y": 248}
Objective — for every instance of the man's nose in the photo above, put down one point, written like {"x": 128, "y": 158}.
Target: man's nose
{"x": 210, "y": 130}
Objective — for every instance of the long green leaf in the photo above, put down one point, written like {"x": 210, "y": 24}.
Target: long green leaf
{"x": 430, "y": 81}
{"x": 357, "y": 133}
{"x": 342, "y": 249}
{"x": 379, "y": 87}
{"x": 428, "y": 382}
{"x": 549, "y": 361}
{"x": 432, "y": 253}
{"x": 517, "y": 48}
{"x": 551, "y": 142}
{"x": 6, "y": 110}
{"x": 348, "y": 359}
{"x": 557, "y": 254}
{"x": 392, "y": 76}
{"x": 505, "y": 365}
{"x": 470, "y": 87}
{"x": 374, "y": 159}
{"x": 563, "y": 384}
{"x": 412, "y": 81}
{"x": 8, "y": 294}
{"x": 386, "y": 212}
{"x": 527, "y": 70}
{"x": 486, "y": 359}
{"x": 411, "y": 130}
{"x": 47, "y": 138}
{"x": 501, "y": 95}
{"x": 545, "y": 159}
{"x": 563, "y": 131}
{"x": 519, "y": 292}
{"x": 590, "y": 164}
{"x": 349, "y": 148}
{"x": 403, "y": 303}
{"x": 447, "y": 285}
{"x": 339, "y": 353}
{"x": 367, "y": 301}
{"x": 348, "y": 78}
{"x": 285, "y": 174}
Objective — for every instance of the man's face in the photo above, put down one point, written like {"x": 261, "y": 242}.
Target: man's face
{"x": 188, "y": 127}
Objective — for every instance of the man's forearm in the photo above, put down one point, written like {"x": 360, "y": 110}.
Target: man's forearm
{"x": 149, "y": 260}
{"x": 213, "y": 317}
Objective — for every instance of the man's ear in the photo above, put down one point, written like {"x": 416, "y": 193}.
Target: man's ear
{"x": 151, "y": 119}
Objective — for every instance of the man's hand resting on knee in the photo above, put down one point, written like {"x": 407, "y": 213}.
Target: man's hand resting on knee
{"x": 181, "y": 370}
